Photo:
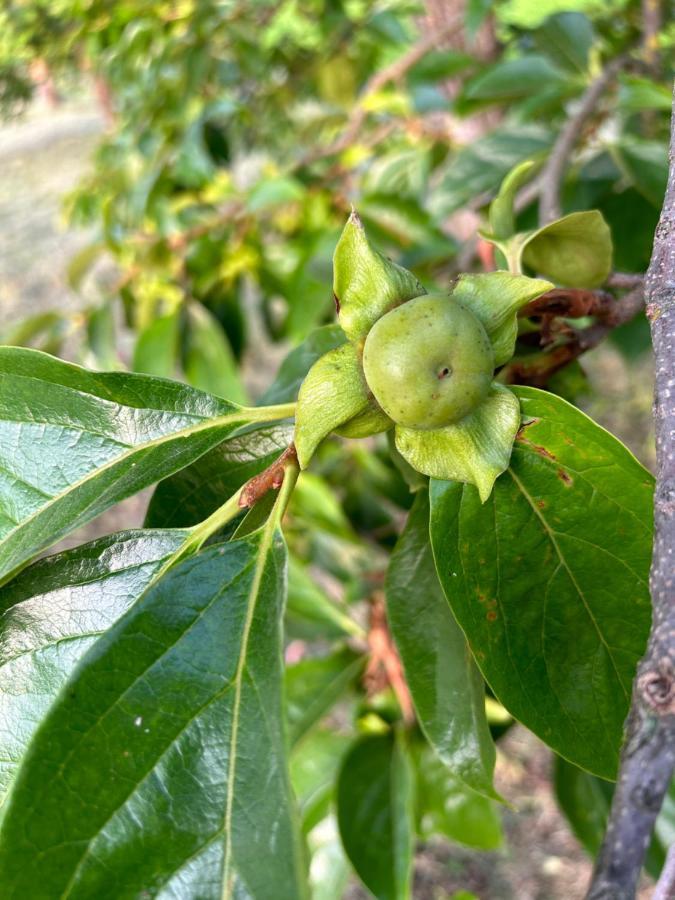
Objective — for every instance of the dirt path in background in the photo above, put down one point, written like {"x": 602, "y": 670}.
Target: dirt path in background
{"x": 42, "y": 157}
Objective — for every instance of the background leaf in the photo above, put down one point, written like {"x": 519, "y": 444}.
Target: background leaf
{"x": 548, "y": 579}
{"x": 445, "y": 806}
{"x": 207, "y": 356}
{"x": 446, "y": 686}
{"x": 375, "y": 814}
{"x": 314, "y": 685}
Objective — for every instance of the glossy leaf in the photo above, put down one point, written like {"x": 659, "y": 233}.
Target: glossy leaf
{"x": 207, "y": 356}
{"x": 333, "y": 392}
{"x": 475, "y": 450}
{"x": 196, "y": 491}
{"x": 366, "y": 283}
{"x": 173, "y": 720}
{"x": 575, "y": 251}
{"x": 548, "y": 580}
{"x": 313, "y": 685}
{"x": 52, "y": 613}
{"x": 446, "y": 686}
{"x": 445, "y": 806}
{"x": 495, "y": 299}
{"x": 375, "y": 814}
{"x": 74, "y": 443}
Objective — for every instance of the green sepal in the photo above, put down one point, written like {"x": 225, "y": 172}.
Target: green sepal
{"x": 476, "y": 450}
{"x": 502, "y": 218}
{"x": 366, "y": 284}
{"x": 495, "y": 299}
{"x": 333, "y": 392}
{"x": 575, "y": 251}
{"x": 372, "y": 420}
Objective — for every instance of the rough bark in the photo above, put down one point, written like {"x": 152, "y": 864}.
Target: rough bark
{"x": 648, "y": 755}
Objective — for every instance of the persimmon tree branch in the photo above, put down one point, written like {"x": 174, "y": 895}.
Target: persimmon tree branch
{"x": 550, "y": 180}
{"x": 648, "y": 755}
{"x": 537, "y": 368}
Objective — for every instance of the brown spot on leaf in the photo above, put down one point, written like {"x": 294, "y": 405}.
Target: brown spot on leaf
{"x": 337, "y": 303}
{"x": 541, "y": 504}
{"x": 491, "y": 616}
{"x": 542, "y": 451}
{"x": 565, "y": 477}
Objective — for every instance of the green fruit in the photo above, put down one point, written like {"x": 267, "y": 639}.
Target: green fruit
{"x": 428, "y": 362}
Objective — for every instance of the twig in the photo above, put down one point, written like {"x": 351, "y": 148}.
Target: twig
{"x": 648, "y": 754}
{"x": 651, "y": 25}
{"x": 269, "y": 480}
{"x": 384, "y": 666}
{"x": 665, "y": 886}
{"x": 537, "y": 369}
{"x": 551, "y": 177}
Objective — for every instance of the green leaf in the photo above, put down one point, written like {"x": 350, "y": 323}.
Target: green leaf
{"x": 566, "y": 39}
{"x": 333, "y": 392}
{"x": 549, "y": 579}
{"x": 375, "y": 814}
{"x": 446, "y": 686}
{"x": 502, "y": 221}
{"x": 445, "y": 806}
{"x": 514, "y": 79}
{"x": 309, "y": 612}
{"x": 156, "y": 350}
{"x": 76, "y": 442}
{"x": 366, "y": 283}
{"x": 102, "y": 336}
{"x": 313, "y": 685}
{"x": 207, "y": 357}
{"x": 481, "y": 165}
{"x": 495, "y": 299}
{"x": 196, "y": 491}
{"x": 297, "y": 364}
{"x": 645, "y": 165}
{"x": 637, "y": 94}
{"x": 315, "y": 762}
{"x": 575, "y": 251}
{"x": 475, "y": 450}
{"x": 585, "y": 801}
{"x": 52, "y": 613}
{"x": 82, "y": 262}
{"x": 163, "y": 760}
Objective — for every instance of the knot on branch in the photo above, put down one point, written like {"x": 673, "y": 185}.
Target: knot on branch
{"x": 648, "y": 795}
{"x": 657, "y": 687}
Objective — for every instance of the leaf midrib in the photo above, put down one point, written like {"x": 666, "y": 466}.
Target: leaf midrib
{"x": 205, "y": 425}
{"x": 564, "y": 564}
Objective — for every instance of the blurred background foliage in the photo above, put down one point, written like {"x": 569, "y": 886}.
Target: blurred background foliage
{"x": 238, "y": 136}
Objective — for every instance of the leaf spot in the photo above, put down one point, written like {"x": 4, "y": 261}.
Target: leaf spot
{"x": 565, "y": 477}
